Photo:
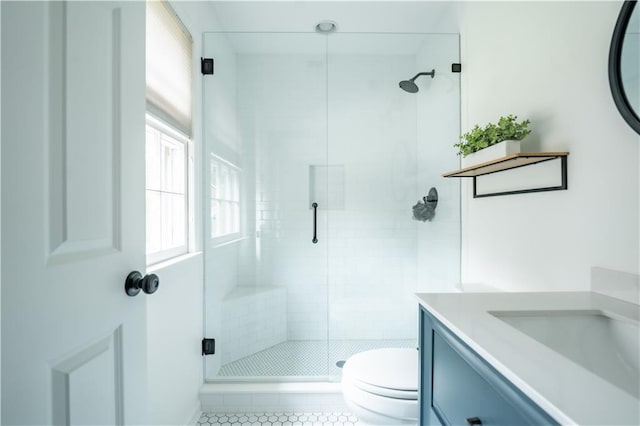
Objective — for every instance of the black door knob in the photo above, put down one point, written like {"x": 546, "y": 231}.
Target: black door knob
{"x": 136, "y": 282}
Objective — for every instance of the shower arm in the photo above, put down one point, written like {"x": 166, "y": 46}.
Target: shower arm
{"x": 432, "y": 73}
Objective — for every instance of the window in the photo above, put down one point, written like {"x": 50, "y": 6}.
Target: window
{"x": 166, "y": 191}
{"x": 225, "y": 199}
{"x": 168, "y": 129}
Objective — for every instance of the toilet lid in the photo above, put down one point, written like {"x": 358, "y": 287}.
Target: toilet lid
{"x": 391, "y": 368}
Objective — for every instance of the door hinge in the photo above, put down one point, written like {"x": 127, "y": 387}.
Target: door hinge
{"x": 208, "y": 346}
{"x": 456, "y": 67}
{"x": 206, "y": 66}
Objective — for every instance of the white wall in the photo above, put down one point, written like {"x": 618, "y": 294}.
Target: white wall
{"x": 174, "y": 313}
{"x": 547, "y": 61}
{"x": 174, "y": 332}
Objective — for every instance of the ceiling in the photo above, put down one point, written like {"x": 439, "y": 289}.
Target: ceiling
{"x": 351, "y": 16}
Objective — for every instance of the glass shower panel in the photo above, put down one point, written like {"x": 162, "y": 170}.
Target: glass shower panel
{"x": 265, "y": 151}
{"x": 294, "y": 121}
{"x": 387, "y": 148}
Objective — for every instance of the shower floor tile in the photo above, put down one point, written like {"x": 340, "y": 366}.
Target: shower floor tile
{"x": 278, "y": 419}
{"x": 304, "y": 358}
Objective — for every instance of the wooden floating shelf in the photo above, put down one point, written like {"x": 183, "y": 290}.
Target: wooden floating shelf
{"x": 505, "y": 163}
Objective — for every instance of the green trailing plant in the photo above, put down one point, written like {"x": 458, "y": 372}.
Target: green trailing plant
{"x": 479, "y": 138}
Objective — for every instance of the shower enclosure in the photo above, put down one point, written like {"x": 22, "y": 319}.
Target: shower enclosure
{"x": 309, "y": 135}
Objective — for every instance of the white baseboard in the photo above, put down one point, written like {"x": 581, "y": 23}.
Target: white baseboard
{"x": 270, "y": 397}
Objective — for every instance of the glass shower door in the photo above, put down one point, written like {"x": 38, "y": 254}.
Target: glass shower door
{"x": 297, "y": 119}
{"x": 387, "y": 149}
{"x": 265, "y": 155}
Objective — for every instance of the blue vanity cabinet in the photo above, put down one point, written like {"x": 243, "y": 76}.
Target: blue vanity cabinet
{"x": 458, "y": 387}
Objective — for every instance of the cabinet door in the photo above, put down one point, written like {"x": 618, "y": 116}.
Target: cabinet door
{"x": 459, "y": 393}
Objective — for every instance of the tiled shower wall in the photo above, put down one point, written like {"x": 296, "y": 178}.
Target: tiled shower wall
{"x": 282, "y": 108}
{"x": 253, "y": 321}
{"x": 372, "y": 241}
{"x": 390, "y": 146}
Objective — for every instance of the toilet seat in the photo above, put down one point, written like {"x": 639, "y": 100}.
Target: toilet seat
{"x": 389, "y": 368}
{"x": 383, "y": 381}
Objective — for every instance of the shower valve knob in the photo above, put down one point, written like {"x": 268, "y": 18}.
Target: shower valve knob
{"x": 136, "y": 282}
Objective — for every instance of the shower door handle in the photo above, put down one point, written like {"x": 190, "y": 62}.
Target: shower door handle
{"x": 315, "y": 223}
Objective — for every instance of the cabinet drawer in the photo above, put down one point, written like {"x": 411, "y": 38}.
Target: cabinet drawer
{"x": 459, "y": 392}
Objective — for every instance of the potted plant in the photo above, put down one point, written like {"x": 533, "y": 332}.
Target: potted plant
{"x": 493, "y": 141}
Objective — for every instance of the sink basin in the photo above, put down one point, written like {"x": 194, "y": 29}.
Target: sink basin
{"x": 605, "y": 344}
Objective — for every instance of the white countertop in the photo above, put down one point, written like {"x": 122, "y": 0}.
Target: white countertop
{"x": 565, "y": 390}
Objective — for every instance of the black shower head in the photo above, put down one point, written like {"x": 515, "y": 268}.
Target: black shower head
{"x": 410, "y": 86}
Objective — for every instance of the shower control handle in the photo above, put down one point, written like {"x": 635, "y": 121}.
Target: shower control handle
{"x": 315, "y": 223}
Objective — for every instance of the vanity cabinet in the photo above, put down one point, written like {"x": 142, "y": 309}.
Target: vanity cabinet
{"x": 458, "y": 387}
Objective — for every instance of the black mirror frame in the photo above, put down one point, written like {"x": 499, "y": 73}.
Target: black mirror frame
{"x": 615, "y": 77}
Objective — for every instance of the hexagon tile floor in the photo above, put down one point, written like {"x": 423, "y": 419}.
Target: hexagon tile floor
{"x": 305, "y": 357}
{"x": 278, "y": 419}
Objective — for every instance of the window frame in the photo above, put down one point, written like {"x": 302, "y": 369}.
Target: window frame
{"x": 167, "y": 130}
{"x": 232, "y": 236}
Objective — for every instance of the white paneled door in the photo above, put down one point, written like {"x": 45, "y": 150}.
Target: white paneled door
{"x": 73, "y": 101}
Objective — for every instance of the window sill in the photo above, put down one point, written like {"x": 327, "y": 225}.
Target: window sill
{"x": 170, "y": 262}
{"x": 217, "y": 244}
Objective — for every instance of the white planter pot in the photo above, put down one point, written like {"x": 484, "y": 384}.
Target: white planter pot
{"x": 493, "y": 152}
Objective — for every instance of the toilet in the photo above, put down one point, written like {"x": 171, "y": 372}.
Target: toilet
{"x": 380, "y": 386}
